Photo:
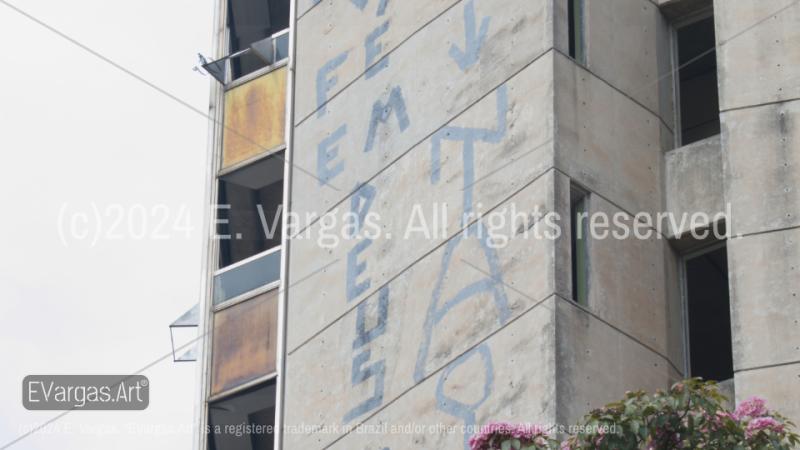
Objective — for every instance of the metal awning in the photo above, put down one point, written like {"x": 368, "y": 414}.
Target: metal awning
{"x": 183, "y": 335}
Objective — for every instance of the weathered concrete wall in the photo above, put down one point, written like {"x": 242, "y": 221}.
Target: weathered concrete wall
{"x": 757, "y": 52}
{"x": 523, "y": 389}
{"x": 473, "y": 104}
{"x": 605, "y": 141}
{"x": 628, "y": 47}
{"x": 762, "y": 145}
{"x": 614, "y": 119}
{"x": 759, "y": 47}
{"x": 440, "y": 330}
{"x": 375, "y": 120}
{"x": 406, "y": 187}
{"x": 627, "y": 283}
{"x": 352, "y": 42}
{"x": 412, "y": 345}
{"x": 695, "y": 183}
{"x": 596, "y": 363}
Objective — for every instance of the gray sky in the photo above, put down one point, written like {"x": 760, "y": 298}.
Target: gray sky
{"x": 76, "y": 132}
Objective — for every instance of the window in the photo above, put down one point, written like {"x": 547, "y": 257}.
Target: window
{"x": 244, "y": 421}
{"x": 249, "y": 228}
{"x": 698, "y": 98}
{"x": 258, "y": 36}
{"x": 709, "y": 319}
{"x": 575, "y": 13}
{"x": 580, "y": 252}
{"x": 249, "y": 210}
{"x": 252, "y": 21}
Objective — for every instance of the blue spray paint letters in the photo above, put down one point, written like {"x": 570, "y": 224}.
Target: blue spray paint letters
{"x": 327, "y": 151}
{"x": 361, "y": 202}
{"x": 373, "y": 48}
{"x": 377, "y": 370}
{"x": 463, "y": 411}
{"x": 356, "y": 268}
{"x": 325, "y": 83}
{"x": 439, "y": 308}
{"x": 360, "y": 375}
{"x": 363, "y": 335}
{"x": 473, "y": 38}
{"x": 469, "y": 136}
{"x": 361, "y": 4}
{"x": 381, "y": 113}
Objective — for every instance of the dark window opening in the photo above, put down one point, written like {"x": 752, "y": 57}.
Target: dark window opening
{"x": 710, "y": 348}
{"x": 249, "y": 210}
{"x": 244, "y": 421}
{"x": 250, "y": 21}
{"x": 580, "y": 251}
{"x": 575, "y": 29}
{"x": 699, "y": 99}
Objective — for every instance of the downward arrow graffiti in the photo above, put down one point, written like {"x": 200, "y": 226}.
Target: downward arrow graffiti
{"x": 473, "y": 38}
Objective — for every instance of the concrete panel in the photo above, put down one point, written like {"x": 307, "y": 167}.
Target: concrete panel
{"x": 477, "y": 176}
{"x": 340, "y": 39}
{"x": 304, "y": 6}
{"x": 605, "y": 141}
{"x": 765, "y": 298}
{"x": 255, "y": 117}
{"x": 244, "y": 342}
{"x": 627, "y": 44}
{"x": 376, "y": 120}
{"x": 694, "y": 183}
{"x": 779, "y": 386}
{"x": 424, "y": 319}
{"x": 517, "y": 385}
{"x": 763, "y": 161}
{"x": 627, "y": 285}
{"x": 757, "y": 63}
{"x": 596, "y": 364}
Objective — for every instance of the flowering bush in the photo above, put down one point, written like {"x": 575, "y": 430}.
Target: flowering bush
{"x": 689, "y": 416}
{"x": 505, "y": 436}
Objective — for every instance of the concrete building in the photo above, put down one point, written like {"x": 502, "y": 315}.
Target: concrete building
{"x": 389, "y": 112}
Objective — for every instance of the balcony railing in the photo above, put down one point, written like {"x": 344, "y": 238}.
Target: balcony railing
{"x": 270, "y": 50}
{"x": 248, "y": 276}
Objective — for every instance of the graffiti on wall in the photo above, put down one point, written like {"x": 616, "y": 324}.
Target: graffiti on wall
{"x": 390, "y": 111}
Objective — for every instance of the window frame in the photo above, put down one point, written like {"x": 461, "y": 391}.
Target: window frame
{"x": 684, "y": 290}
{"x": 674, "y": 26}
{"x": 576, "y": 31}
{"x": 579, "y": 195}
{"x": 231, "y": 83}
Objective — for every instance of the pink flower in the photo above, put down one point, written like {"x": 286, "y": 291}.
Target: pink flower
{"x": 763, "y": 424}
{"x": 752, "y": 407}
{"x": 500, "y": 430}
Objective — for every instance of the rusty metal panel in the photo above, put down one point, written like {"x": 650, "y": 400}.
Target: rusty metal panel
{"x": 255, "y": 114}
{"x": 244, "y": 342}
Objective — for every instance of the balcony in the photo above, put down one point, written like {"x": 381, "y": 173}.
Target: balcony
{"x": 257, "y": 273}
